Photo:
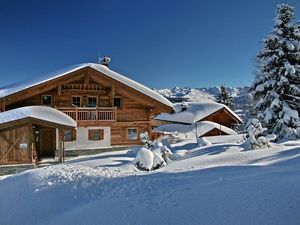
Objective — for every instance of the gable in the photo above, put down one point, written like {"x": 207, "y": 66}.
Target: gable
{"x": 222, "y": 116}
{"x": 91, "y": 76}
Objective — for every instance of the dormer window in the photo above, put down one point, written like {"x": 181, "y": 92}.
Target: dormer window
{"x": 117, "y": 102}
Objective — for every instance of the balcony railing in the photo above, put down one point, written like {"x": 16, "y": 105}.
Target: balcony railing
{"x": 90, "y": 114}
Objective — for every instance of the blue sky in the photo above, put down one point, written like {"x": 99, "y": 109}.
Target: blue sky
{"x": 160, "y": 43}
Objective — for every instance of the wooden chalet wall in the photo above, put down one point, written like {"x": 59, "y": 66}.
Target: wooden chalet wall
{"x": 214, "y": 132}
{"x": 222, "y": 117}
{"x": 135, "y": 112}
{"x": 15, "y": 145}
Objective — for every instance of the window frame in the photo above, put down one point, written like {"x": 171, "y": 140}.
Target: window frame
{"x": 80, "y": 100}
{"x": 96, "y": 97}
{"x": 91, "y": 133}
{"x": 121, "y": 102}
{"x": 42, "y": 100}
{"x": 137, "y": 133}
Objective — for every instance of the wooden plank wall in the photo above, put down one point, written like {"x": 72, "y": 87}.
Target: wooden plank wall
{"x": 10, "y": 151}
{"x": 119, "y": 133}
{"x": 221, "y": 117}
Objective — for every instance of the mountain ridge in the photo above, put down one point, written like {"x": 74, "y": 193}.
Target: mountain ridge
{"x": 240, "y": 95}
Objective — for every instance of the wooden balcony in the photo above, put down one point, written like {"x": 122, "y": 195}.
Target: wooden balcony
{"x": 91, "y": 114}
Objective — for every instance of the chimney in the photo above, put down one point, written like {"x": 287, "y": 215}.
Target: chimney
{"x": 104, "y": 61}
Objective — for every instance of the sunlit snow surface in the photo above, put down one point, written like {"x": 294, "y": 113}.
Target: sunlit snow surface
{"x": 217, "y": 184}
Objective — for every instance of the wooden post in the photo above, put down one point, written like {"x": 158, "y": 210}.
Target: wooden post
{"x": 60, "y": 145}
{"x": 116, "y": 109}
{"x": 96, "y": 112}
{"x": 63, "y": 146}
{"x": 112, "y": 95}
{"x": 59, "y": 90}
{"x": 76, "y": 114}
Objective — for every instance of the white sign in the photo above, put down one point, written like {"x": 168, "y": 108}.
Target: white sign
{"x": 23, "y": 145}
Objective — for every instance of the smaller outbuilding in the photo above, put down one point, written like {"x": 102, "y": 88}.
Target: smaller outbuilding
{"x": 25, "y": 133}
{"x": 201, "y": 118}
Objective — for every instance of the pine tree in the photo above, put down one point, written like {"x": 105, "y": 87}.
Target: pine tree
{"x": 224, "y": 97}
{"x": 276, "y": 89}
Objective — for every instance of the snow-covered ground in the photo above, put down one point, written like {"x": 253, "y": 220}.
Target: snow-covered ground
{"x": 217, "y": 184}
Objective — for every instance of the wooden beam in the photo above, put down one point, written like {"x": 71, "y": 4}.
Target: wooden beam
{"x": 87, "y": 79}
{"x": 60, "y": 145}
{"x": 59, "y": 90}
{"x": 112, "y": 95}
{"x": 43, "y": 87}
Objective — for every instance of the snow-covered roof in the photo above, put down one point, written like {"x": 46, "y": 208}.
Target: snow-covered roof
{"x": 195, "y": 111}
{"x": 102, "y": 69}
{"x": 202, "y": 128}
{"x": 44, "y": 113}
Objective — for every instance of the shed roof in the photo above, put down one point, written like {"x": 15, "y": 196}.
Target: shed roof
{"x": 41, "y": 113}
{"x": 195, "y": 111}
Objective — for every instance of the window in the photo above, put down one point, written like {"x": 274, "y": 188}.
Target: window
{"x": 76, "y": 100}
{"x": 47, "y": 100}
{"x": 117, "y": 102}
{"x": 92, "y": 102}
{"x": 132, "y": 134}
{"x": 70, "y": 135}
{"x": 96, "y": 134}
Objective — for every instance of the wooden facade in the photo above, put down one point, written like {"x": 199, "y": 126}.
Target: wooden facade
{"x": 93, "y": 99}
{"x": 15, "y": 145}
{"x": 29, "y": 139}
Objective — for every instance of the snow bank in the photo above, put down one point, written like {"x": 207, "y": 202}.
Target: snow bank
{"x": 218, "y": 184}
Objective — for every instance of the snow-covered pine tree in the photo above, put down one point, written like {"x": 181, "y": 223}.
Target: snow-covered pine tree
{"x": 224, "y": 97}
{"x": 255, "y": 138}
{"x": 276, "y": 89}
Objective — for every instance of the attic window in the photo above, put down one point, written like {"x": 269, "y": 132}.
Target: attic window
{"x": 47, "y": 100}
{"x": 117, "y": 102}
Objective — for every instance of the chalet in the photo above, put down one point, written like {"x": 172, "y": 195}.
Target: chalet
{"x": 208, "y": 118}
{"x": 109, "y": 108}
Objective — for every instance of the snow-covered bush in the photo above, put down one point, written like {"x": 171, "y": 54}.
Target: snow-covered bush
{"x": 144, "y": 138}
{"x": 144, "y": 159}
{"x": 255, "y": 137}
{"x": 152, "y": 156}
{"x": 158, "y": 161}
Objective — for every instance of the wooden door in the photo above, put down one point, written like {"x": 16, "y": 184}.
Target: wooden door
{"x": 47, "y": 142}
